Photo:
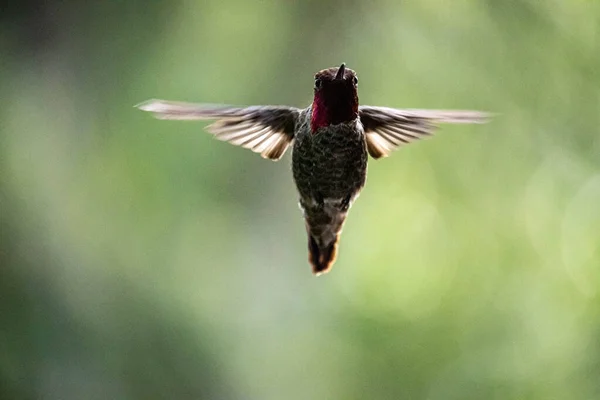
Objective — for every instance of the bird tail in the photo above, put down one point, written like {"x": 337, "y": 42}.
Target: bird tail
{"x": 321, "y": 257}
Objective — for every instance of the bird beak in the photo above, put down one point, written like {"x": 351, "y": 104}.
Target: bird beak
{"x": 340, "y": 72}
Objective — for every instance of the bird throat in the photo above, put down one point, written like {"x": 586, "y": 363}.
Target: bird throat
{"x": 332, "y": 108}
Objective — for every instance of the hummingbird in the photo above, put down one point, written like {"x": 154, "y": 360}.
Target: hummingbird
{"x": 332, "y": 140}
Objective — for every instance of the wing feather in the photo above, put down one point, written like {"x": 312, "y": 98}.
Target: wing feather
{"x": 268, "y": 130}
{"x": 387, "y": 129}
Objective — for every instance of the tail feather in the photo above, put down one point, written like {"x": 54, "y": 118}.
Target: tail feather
{"x": 321, "y": 258}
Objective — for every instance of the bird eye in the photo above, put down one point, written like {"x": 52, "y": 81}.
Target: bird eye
{"x": 355, "y": 81}
{"x": 317, "y": 83}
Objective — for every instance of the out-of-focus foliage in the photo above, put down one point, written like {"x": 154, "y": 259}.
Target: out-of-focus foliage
{"x": 141, "y": 259}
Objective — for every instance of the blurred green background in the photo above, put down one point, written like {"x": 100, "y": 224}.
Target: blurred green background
{"x": 142, "y": 259}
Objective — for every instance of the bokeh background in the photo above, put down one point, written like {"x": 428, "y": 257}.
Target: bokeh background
{"x": 142, "y": 259}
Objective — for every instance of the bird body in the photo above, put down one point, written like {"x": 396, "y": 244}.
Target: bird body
{"x": 332, "y": 139}
{"x": 330, "y": 169}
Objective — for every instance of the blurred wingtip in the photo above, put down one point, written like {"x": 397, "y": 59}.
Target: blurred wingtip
{"x": 467, "y": 117}
{"x": 152, "y": 105}
{"x": 483, "y": 117}
{"x": 453, "y": 116}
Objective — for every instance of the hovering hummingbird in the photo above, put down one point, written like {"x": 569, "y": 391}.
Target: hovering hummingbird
{"x": 331, "y": 140}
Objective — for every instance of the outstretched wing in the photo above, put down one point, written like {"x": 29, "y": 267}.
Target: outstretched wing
{"x": 387, "y": 129}
{"x": 268, "y": 130}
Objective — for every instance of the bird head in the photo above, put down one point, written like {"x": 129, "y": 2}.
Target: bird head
{"x": 335, "y": 97}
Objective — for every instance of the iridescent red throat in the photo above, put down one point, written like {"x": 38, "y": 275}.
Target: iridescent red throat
{"x": 333, "y": 105}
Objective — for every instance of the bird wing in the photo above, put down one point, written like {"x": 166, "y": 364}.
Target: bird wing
{"x": 387, "y": 129}
{"x": 268, "y": 130}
